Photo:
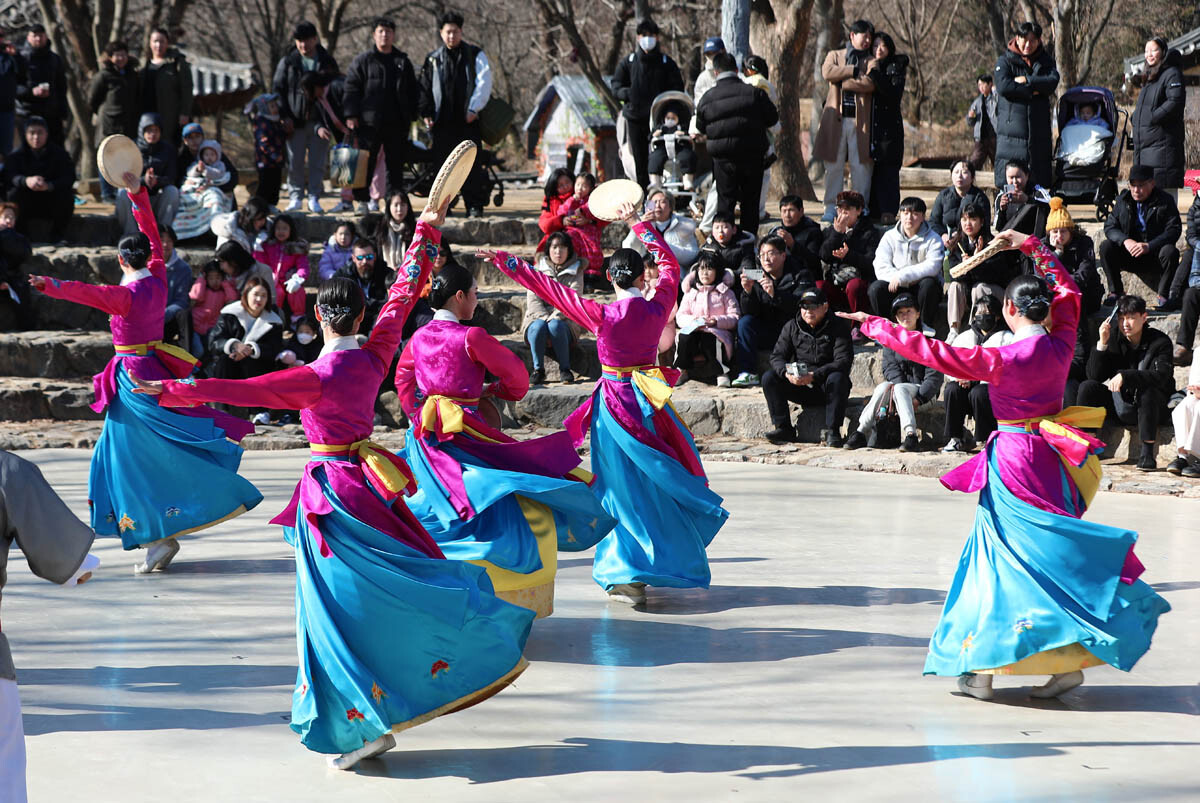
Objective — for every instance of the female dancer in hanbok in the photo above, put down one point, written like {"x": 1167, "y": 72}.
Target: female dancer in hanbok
{"x": 482, "y": 495}
{"x": 389, "y": 634}
{"x": 1038, "y": 590}
{"x": 648, "y": 472}
{"x": 156, "y": 474}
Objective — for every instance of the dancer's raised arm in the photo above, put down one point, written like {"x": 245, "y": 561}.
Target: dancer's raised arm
{"x": 583, "y": 311}
{"x": 410, "y": 278}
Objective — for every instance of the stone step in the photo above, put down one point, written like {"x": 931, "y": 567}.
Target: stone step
{"x": 54, "y": 355}
{"x": 29, "y": 398}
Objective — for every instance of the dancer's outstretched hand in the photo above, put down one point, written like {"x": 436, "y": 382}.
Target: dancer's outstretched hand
{"x": 628, "y": 213}
{"x": 1015, "y": 239}
{"x": 435, "y": 216}
{"x": 149, "y": 387}
{"x": 487, "y": 254}
{"x": 858, "y": 317}
{"x": 37, "y": 282}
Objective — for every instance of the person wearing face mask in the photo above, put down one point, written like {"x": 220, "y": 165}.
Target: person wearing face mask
{"x": 1026, "y": 79}
{"x": 963, "y": 397}
{"x": 845, "y": 129}
{"x": 705, "y": 81}
{"x": 640, "y": 77}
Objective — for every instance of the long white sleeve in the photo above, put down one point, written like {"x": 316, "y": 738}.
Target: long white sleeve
{"x": 483, "y": 83}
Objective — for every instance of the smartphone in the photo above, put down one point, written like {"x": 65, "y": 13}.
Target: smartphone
{"x": 753, "y": 274}
{"x": 1114, "y": 319}
{"x": 1009, "y": 189}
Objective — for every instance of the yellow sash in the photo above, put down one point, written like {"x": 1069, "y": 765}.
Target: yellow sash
{"x": 142, "y": 349}
{"x": 375, "y": 458}
{"x": 1063, "y": 426}
{"x": 649, "y": 379}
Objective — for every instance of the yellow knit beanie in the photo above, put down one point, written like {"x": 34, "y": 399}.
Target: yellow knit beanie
{"x": 1059, "y": 217}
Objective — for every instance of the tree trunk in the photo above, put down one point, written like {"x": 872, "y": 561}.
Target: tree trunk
{"x": 997, "y": 26}
{"x": 735, "y": 27}
{"x": 561, "y": 14}
{"x": 1064, "y": 42}
{"x": 827, "y": 26}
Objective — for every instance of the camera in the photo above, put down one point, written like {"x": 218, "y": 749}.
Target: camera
{"x": 797, "y": 368}
{"x": 753, "y": 274}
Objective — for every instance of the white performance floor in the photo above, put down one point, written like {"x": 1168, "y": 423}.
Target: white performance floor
{"x": 797, "y": 673}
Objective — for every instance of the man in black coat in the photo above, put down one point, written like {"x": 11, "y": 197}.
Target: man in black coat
{"x": 734, "y": 118}
{"x": 1026, "y": 78}
{"x": 642, "y": 76}
{"x": 381, "y": 100}
{"x": 1140, "y": 235}
{"x": 768, "y": 301}
{"x": 42, "y": 91}
{"x": 306, "y": 150}
{"x": 366, "y": 269}
{"x": 848, "y": 255}
{"x": 1189, "y": 297}
{"x": 456, "y": 83}
{"x": 1130, "y": 375}
{"x": 40, "y": 179}
{"x": 801, "y": 233}
{"x": 11, "y": 68}
{"x": 810, "y": 364}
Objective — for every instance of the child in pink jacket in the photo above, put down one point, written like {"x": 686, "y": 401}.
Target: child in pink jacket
{"x": 706, "y": 319}
{"x": 210, "y": 292}
{"x": 287, "y": 256}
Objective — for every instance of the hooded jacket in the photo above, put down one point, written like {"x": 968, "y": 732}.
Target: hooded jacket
{"x": 900, "y": 370}
{"x": 909, "y": 259}
{"x": 116, "y": 96}
{"x": 641, "y": 77}
{"x": 160, "y": 156}
{"x": 1023, "y": 112}
{"x": 1158, "y": 123}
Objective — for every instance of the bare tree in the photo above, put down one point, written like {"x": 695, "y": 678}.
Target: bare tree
{"x": 560, "y": 15}
{"x": 1078, "y": 29}
{"x": 328, "y": 16}
{"x": 924, "y": 29}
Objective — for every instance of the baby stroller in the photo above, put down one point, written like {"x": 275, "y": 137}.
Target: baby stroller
{"x": 1094, "y": 181}
{"x": 420, "y": 169}
{"x": 672, "y": 175}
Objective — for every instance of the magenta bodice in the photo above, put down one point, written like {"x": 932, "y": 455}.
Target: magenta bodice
{"x": 441, "y": 364}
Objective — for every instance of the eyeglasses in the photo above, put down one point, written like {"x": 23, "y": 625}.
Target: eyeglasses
{"x": 365, "y": 257}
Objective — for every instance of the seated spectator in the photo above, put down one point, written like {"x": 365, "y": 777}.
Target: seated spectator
{"x": 559, "y": 189}
{"x": 158, "y": 176}
{"x": 210, "y": 293}
{"x": 1140, "y": 236}
{"x": 666, "y": 338}
{"x": 189, "y": 154}
{"x": 949, "y": 204}
{"x": 244, "y": 227}
{"x": 734, "y": 246}
{"x": 909, "y": 257}
{"x": 847, "y": 255}
{"x": 395, "y": 234}
{"x": 1188, "y": 287}
{"x": 201, "y": 199}
{"x": 1130, "y": 375}
{"x": 247, "y": 340}
{"x": 14, "y": 282}
{"x": 1074, "y": 250}
{"x": 801, "y": 233}
{"x": 114, "y": 95}
{"x": 678, "y": 231}
{"x": 583, "y": 227}
{"x": 1077, "y": 373}
{"x": 671, "y": 133}
{"x": 239, "y": 265}
{"x": 1186, "y": 418}
{"x": 810, "y": 364}
{"x": 905, "y": 387}
{"x": 706, "y": 320}
{"x": 177, "y": 322}
{"x": 988, "y": 279}
{"x": 963, "y": 397}
{"x": 270, "y": 146}
{"x": 286, "y": 254}
{"x": 339, "y": 250}
{"x": 40, "y": 179}
{"x": 544, "y": 323}
{"x": 768, "y": 302}
{"x": 307, "y": 343}
{"x": 1016, "y": 208}
{"x": 371, "y": 277}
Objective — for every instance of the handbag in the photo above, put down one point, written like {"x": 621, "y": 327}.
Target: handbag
{"x": 348, "y": 166}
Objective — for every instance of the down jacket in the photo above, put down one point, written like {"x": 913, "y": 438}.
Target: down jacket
{"x": 1023, "y": 113}
{"x": 1158, "y": 123}
{"x": 734, "y": 117}
{"x": 714, "y": 301}
{"x": 898, "y": 370}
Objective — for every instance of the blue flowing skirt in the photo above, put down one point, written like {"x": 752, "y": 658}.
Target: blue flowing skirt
{"x": 157, "y": 473}
{"x": 387, "y": 637}
{"x": 666, "y": 516}
{"x": 499, "y": 532}
{"x": 1031, "y": 581}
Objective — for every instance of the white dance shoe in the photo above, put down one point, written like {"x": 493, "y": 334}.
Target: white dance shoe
{"x": 158, "y": 556}
{"x": 1057, "y": 684}
{"x": 977, "y": 686}
{"x": 369, "y": 750}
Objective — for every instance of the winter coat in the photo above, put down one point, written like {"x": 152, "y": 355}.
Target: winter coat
{"x": 826, "y": 348}
{"x": 14, "y": 251}
{"x": 186, "y": 156}
{"x": 641, "y": 77}
{"x": 1193, "y": 224}
{"x": 159, "y": 157}
{"x": 887, "y": 123}
{"x": 1079, "y": 257}
{"x": 167, "y": 89}
{"x": 1162, "y": 221}
{"x": 208, "y": 303}
{"x": 775, "y": 311}
{"x": 42, "y": 66}
{"x": 1147, "y": 365}
{"x": 571, "y": 275}
{"x": 283, "y": 263}
{"x": 467, "y": 79}
{"x": 382, "y": 91}
{"x": 712, "y": 301}
{"x": 374, "y": 289}
{"x": 264, "y": 334}
{"x": 909, "y": 259}
{"x": 1158, "y": 123}
{"x": 863, "y": 239}
{"x": 52, "y": 163}
{"x": 679, "y": 233}
{"x": 11, "y": 70}
{"x": 982, "y": 105}
{"x": 948, "y": 206}
{"x": 734, "y": 118}
{"x": 737, "y": 255}
{"x": 333, "y": 259}
{"x": 116, "y": 96}
{"x": 898, "y": 370}
{"x": 806, "y": 242}
{"x": 293, "y": 103}
{"x": 1023, "y": 117}
{"x": 842, "y": 76}
{"x": 179, "y": 282}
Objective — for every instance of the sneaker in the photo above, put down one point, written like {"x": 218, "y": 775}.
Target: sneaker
{"x": 953, "y": 445}
{"x": 977, "y": 686}
{"x": 784, "y": 434}
{"x": 475, "y": 211}
{"x": 343, "y": 207}
{"x": 1177, "y": 465}
{"x": 723, "y": 381}
{"x": 314, "y": 206}
{"x": 295, "y": 206}
{"x": 158, "y": 556}
{"x": 927, "y": 331}
{"x": 262, "y": 419}
{"x": 1191, "y": 471}
{"x": 832, "y": 438}
{"x": 1057, "y": 684}
{"x": 747, "y": 380}
{"x": 910, "y": 444}
{"x": 1182, "y": 355}
{"x": 857, "y": 440}
{"x": 629, "y": 593}
{"x": 566, "y": 376}
{"x": 373, "y": 205}
{"x": 1169, "y": 304}
{"x": 1147, "y": 462}
{"x": 538, "y": 377}
{"x": 969, "y": 441}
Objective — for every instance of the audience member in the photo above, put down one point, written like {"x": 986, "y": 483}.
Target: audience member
{"x": 713, "y": 46}
{"x": 963, "y": 397}
{"x": 801, "y": 233}
{"x": 769, "y": 299}
{"x": 380, "y": 101}
{"x": 42, "y": 91}
{"x": 1130, "y": 375}
{"x": 286, "y": 254}
{"x": 1016, "y": 206}
{"x": 244, "y": 227}
{"x": 339, "y": 251}
{"x": 325, "y": 92}
{"x": 270, "y": 140}
{"x": 583, "y": 227}
{"x": 756, "y": 73}
{"x": 1140, "y": 236}
{"x": 177, "y": 320}
{"x": 14, "y": 281}
{"x": 11, "y": 68}
{"x": 845, "y": 129}
{"x": 1074, "y": 249}
{"x": 1158, "y": 127}
{"x": 115, "y": 95}
{"x": 558, "y": 190}
{"x": 1186, "y": 418}
{"x": 987, "y": 279}
{"x": 848, "y": 256}
{"x": 247, "y": 340}
{"x": 240, "y": 266}
{"x": 40, "y": 179}
{"x": 371, "y": 277}
{"x": 906, "y": 386}
{"x": 209, "y": 294}
{"x": 201, "y": 199}
{"x": 167, "y": 86}
{"x": 1026, "y": 80}
{"x": 981, "y": 116}
{"x": 395, "y": 234}
{"x": 1189, "y": 287}
{"x": 706, "y": 320}
{"x": 810, "y": 365}
{"x": 671, "y": 138}
{"x": 457, "y": 81}
{"x": 189, "y": 154}
{"x": 678, "y": 231}
{"x": 734, "y": 246}
{"x": 544, "y": 323}
{"x": 640, "y": 77}
{"x": 307, "y": 343}
{"x": 733, "y": 116}
{"x": 949, "y": 204}
{"x": 909, "y": 257}
{"x": 888, "y": 72}
{"x": 306, "y": 148}
{"x": 159, "y": 170}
